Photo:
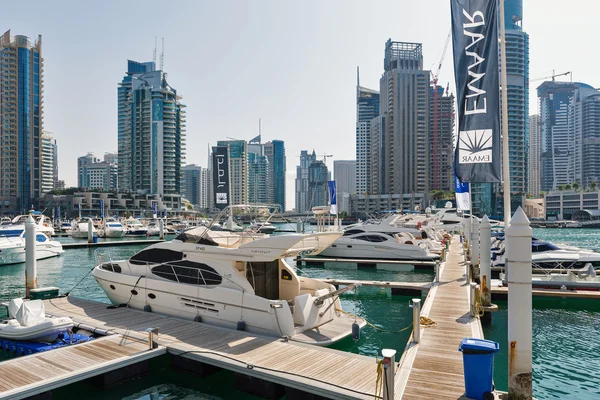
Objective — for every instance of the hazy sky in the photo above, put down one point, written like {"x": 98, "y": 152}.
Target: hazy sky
{"x": 293, "y": 64}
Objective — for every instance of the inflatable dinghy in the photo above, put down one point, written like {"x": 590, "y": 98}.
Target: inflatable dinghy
{"x": 29, "y": 322}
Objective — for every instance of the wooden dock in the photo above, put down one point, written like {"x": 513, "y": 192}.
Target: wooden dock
{"x": 38, "y": 373}
{"x": 307, "y": 368}
{"x": 433, "y": 369}
{"x": 80, "y": 245}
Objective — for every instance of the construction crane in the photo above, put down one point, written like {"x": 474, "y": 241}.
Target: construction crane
{"x": 553, "y": 76}
{"x": 434, "y": 82}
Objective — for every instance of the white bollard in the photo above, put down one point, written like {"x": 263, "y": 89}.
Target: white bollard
{"x": 90, "y": 231}
{"x": 416, "y": 306}
{"x": 475, "y": 242}
{"x": 389, "y": 366}
{"x": 161, "y": 229}
{"x": 518, "y": 261}
{"x": 30, "y": 257}
{"x": 485, "y": 260}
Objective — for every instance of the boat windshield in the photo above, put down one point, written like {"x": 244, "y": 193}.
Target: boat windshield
{"x": 539, "y": 246}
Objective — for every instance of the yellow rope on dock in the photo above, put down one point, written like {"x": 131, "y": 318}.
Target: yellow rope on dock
{"x": 426, "y": 322}
{"x": 379, "y": 380}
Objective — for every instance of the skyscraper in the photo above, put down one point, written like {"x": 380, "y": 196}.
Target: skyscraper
{"x": 93, "y": 173}
{"x": 404, "y": 90}
{"x": 570, "y": 134}
{"x": 441, "y": 130}
{"x": 517, "y": 75}
{"x": 535, "y": 155}
{"x": 47, "y": 164}
{"x": 303, "y": 199}
{"x": 238, "y": 170}
{"x": 151, "y": 124}
{"x": 275, "y": 153}
{"x": 259, "y": 179}
{"x": 367, "y": 108}
{"x": 22, "y": 114}
{"x": 317, "y": 183}
{"x": 344, "y": 174}
{"x": 195, "y": 185}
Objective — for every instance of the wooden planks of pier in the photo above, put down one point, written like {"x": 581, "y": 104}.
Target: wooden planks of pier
{"x": 38, "y": 373}
{"x": 325, "y": 372}
{"x": 433, "y": 369}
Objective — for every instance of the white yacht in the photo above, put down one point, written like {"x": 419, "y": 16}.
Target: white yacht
{"x": 12, "y": 248}
{"x": 153, "y": 229}
{"x": 79, "y": 229}
{"x": 17, "y": 225}
{"x": 545, "y": 255}
{"x": 135, "y": 227}
{"x": 112, "y": 228}
{"x": 263, "y": 227}
{"x": 239, "y": 281}
{"x": 376, "y": 246}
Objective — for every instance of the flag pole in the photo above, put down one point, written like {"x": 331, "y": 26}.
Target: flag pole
{"x": 505, "y": 153}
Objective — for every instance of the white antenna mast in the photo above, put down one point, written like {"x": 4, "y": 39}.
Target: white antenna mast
{"x": 162, "y": 55}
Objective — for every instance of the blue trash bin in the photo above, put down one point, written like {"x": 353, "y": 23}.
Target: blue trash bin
{"x": 95, "y": 239}
{"x": 478, "y": 362}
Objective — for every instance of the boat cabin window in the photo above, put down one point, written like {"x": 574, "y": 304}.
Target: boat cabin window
{"x": 371, "y": 238}
{"x": 542, "y": 246}
{"x": 111, "y": 267}
{"x": 155, "y": 256}
{"x": 41, "y": 238}
{"x": 189, "y": 272}
{"x": 353, "y": 232}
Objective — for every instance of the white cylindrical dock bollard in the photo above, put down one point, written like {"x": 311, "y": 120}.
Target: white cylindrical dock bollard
{"x": 485, "y": 260}
{"x": 161, "y": 229}
{"x": 30, "y": 257}
{"x": 518, "y": 262}
{"x": 389, "y": 366}
{"x": 90, "y": 230}
{"x": 475, "y": 242}
{"x": 416, "y": 306}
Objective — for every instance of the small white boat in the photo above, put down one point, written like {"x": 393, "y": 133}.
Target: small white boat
{"x": 79, "y": 229}
{"x": 17, "y": 225}
{"x": 263, "y": 227}
{"x": 153, "y": 230}
{"x": 28, "y": 321}
{"x": 12, "y": 249}
{"x": 113, "y": 228}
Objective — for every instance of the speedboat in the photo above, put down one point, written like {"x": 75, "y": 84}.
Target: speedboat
{"x": 17, "y": 225}
{"x": 233, "y": 280}
{"x": 376, "y": 246}
{"x": 12, "y": 248}
{"x": 153, "y": 229}
{"x": 112, "y": 228}
{"x": 65, "y": 227}
{"x": 135, "y": 228}
{"x": 28, "y": 321}
{"x": 263, "y": 227}
{"x": 79, "y": 229}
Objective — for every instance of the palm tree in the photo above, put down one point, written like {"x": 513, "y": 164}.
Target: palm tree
{"x": 568, "y": 187}
{"x": 560, "y": 187}
{"x": 575, "y": 186}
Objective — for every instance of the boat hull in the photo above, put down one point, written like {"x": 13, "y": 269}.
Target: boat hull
{"x": 114, "y": 233}
{"x": 376, "y": 252}
{"x": 16, "y": 255}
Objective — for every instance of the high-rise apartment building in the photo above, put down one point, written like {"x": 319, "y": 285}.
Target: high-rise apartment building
{"x": 112, "y": 158}
{"x": 570, "y": 134}
{"x": 344, "y": 174}
{"x": 95, "y": 174}
{"x": 47, "y": 163}
{"x": 238, "y": 170}
{"x": 151, "y": 125}
{"x": 318, "y": 176}
{"x": 275, "y": 153}
{"x": 195, "y": 185}
{"x": 535, "y": 155}
{"x": 404, "y": 99}
{"x": 303, "y": 198}
{"x": 55, "y": 184}
{"x": 259, "y": 179}
{"x": 367, "y": 108}
{"x": 441, "y": 130}
{"x": 22, "y": 116}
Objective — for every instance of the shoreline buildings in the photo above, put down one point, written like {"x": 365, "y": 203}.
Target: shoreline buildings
{"x": 195, "y": 186}
{"x": 96, "y": 174}
{"x": 22, "y": 114}
{"x": 151, "y": 126}
{"x": 367, "y": 108}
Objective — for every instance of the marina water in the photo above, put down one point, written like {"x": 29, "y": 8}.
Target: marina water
{"x": 565, "y": 344}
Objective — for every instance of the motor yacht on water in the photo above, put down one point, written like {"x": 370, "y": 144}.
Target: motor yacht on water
{"x": 111, "y": 228}
{"x": 17, "y": 225}
{"x": 231, "y": 280}
{"x": 12, "y": 248}
{"x": 79, "y": 229}
{"x": 135, "y": 228}
{"x": 263, "y": 227}
{"x": 357, "y": 244}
